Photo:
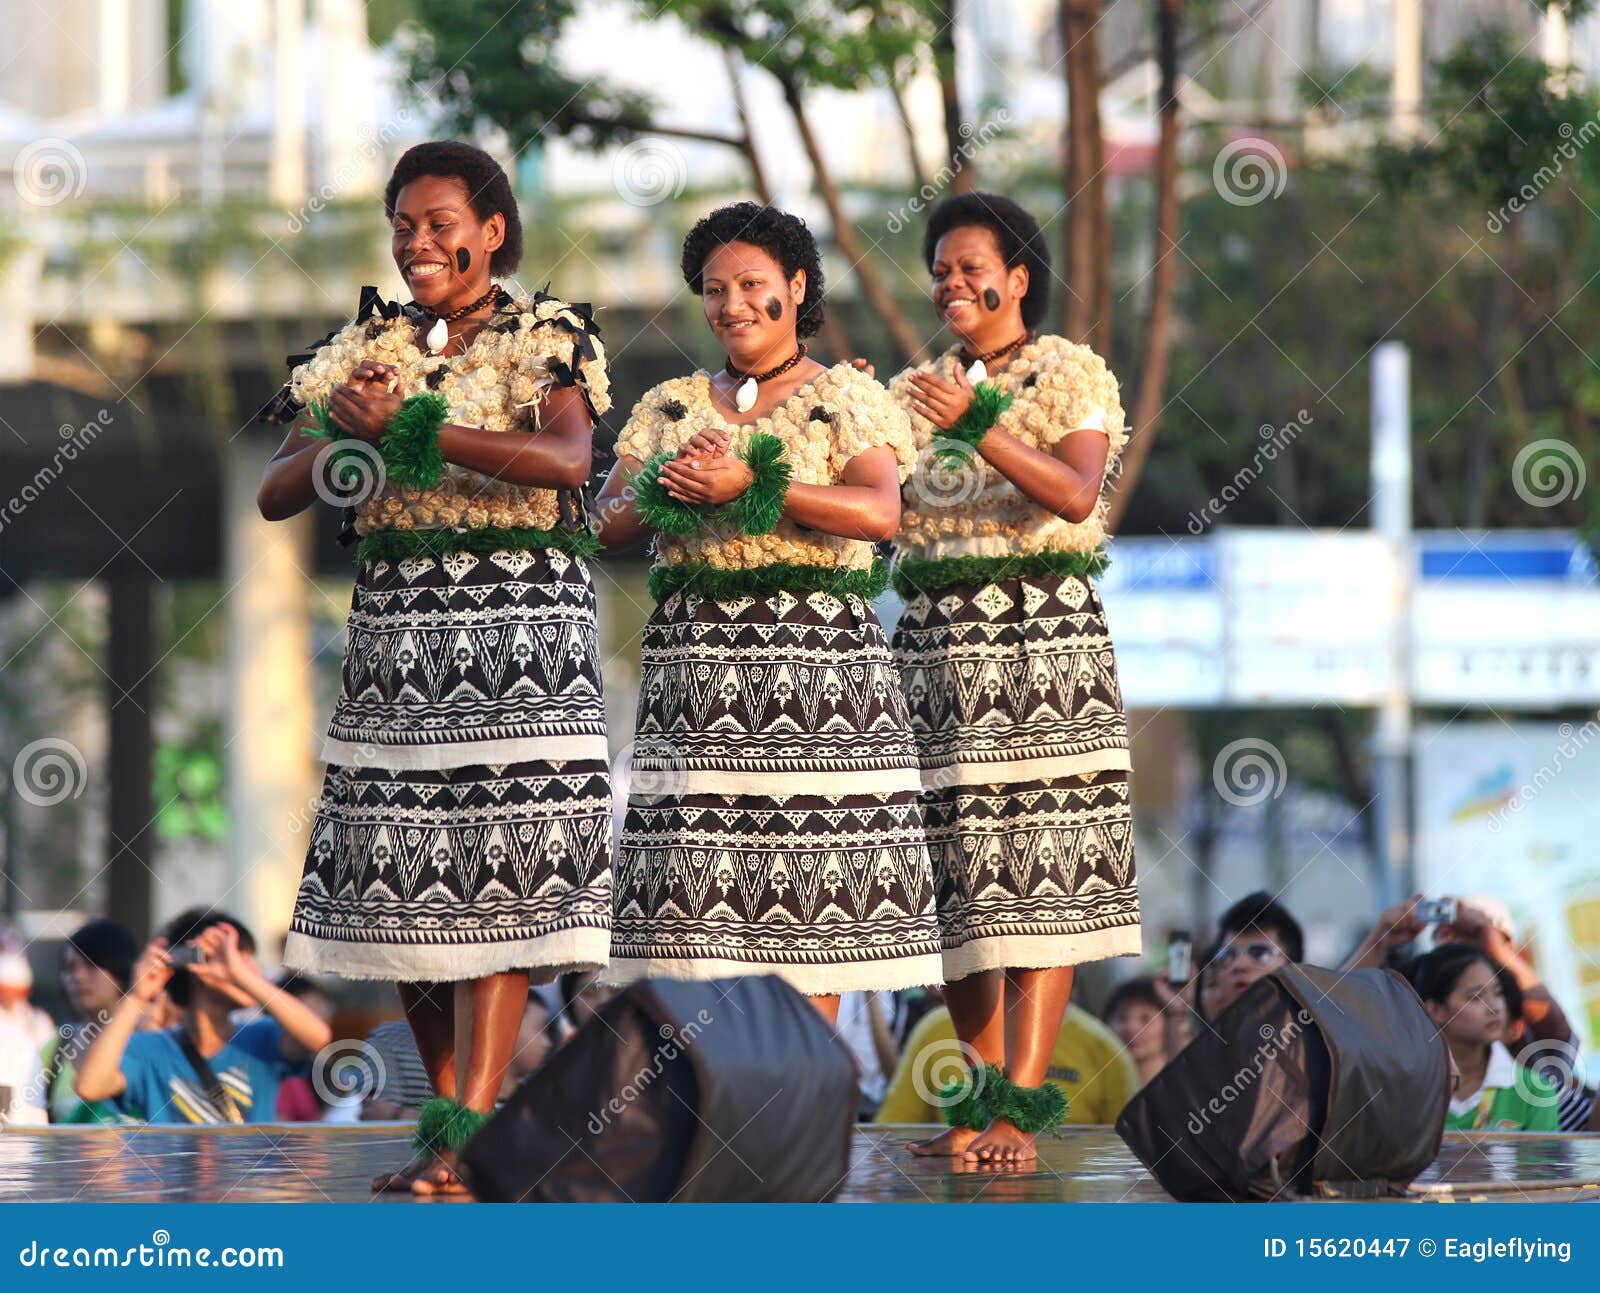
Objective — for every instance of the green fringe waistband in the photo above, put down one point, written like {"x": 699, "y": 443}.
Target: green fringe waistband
{"x": 763, "y": 581}
{"x": 397, "y": 545}
{"x": 913, "y": 575}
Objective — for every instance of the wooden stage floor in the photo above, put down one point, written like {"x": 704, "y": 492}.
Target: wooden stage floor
{"x": 316, "y": 1163}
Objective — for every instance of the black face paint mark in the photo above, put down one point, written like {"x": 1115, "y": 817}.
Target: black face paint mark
{"x": 774, "y": 308}
{"x": 991, "y": 299}
{"x": 464, "y": 258}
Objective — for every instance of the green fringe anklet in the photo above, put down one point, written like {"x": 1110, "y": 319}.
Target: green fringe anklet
{"x": 958, "y": 444}
{"x": 411, "y": 454}
{"x": 1029, "y": 1109}
{"x": 444, "y": 1124}
{"x": 966, "y": 1102}
{"x": 759, "y": 508}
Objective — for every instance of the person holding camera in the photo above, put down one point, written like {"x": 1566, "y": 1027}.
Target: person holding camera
{"x": 204, "y": 1070}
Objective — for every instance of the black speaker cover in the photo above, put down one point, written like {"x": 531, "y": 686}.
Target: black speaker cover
{"x": 1311, "y": 1082}
{"x": 728, "y": 1090}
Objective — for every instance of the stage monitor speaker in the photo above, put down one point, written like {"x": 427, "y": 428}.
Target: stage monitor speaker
{"x": 731, "y": 1090}
{"x": 1311, "y": 1083}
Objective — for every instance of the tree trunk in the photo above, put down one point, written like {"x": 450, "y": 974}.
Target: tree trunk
{"x": 1088, "y": 223}
{"x": 963, "y": 174}
{"x": 833, "y": 333}
{"x": 919, "y": 177}
{"x": 844, "y": 233}
{"x": 1163, "y": 278}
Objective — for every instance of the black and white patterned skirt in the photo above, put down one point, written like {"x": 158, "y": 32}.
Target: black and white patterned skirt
{"x": 464, "y": 826}
{"x": 1018, "y": 718}
{"x": 772, "y": 823}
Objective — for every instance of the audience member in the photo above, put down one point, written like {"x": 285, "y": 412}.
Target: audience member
{"x": 96, "y": 968}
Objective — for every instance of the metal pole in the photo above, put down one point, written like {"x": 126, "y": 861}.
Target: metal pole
{"x": 1391, "y": 519}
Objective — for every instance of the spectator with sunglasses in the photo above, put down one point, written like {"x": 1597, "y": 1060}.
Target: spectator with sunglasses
{"x": 1255, "y": 936}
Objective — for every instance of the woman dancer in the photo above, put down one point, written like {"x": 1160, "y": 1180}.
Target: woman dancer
{"x": 772, "y": 824}
{"x": 462, "y": 840}
{"x": 1008, "y": 667}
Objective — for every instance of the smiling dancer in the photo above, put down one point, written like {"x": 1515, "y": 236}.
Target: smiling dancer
{"x": 463, "y": 835}
{"x": 1009, "y": 669}
{"x": 772, "y": 824}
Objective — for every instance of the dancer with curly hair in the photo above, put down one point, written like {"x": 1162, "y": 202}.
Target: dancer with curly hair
{"x": 772, "y": 822}
{"x": 1008, "y": 668}
{"x": 462, "y": 840}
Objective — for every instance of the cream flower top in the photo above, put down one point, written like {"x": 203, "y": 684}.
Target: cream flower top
{"x": 530, "y": 344}
{"x": 823, "y": 425}
{"x": 1058, "y": 387}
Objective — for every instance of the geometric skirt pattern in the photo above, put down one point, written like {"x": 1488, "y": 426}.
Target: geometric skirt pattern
{"x": 1018, "y": 717}
{"x": 772, "y": 823}
{"x": 464, "y": 827}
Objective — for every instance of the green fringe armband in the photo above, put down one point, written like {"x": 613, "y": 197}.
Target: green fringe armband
{"x": 657, "y": 508}
{"x": 398, "y": 545}
{"x": 1029, "y": 1109}
{"x": 913, "y": 575}
{"x": 411, "y": 454}
{"x": 966, "y": 1103}
{"x": 758, "y": 509}
{"x": 444, "y": 1124}
{"x": 349, "y": 468}
{"x": 720, "y": 585}
{"x": 958, "y": 443}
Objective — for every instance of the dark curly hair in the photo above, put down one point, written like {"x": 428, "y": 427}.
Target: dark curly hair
{"x": 1017, "y": 232}
{"x": 488, "y": 189}
{"x": 782, "y": 236}
{"x": 191, "y": 924}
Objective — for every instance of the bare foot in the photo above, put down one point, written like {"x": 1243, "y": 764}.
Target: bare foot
{"x": 439, "y": 1177}
{"x": 402, "y": 1179}
{"x": 947, "y": 1144}
{"x": 1002, "y": 1143}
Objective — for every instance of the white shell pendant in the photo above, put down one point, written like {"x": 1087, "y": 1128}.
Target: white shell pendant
{"x": 977, "y": 373}
{"x": 744, "y": 399}
{"x": 438, "y": 336}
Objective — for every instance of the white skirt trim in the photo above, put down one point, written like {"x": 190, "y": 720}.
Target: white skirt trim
{"x": 1041, "y": 951}
{"x": 460, "y": 754}
{"x": 810, "y": 980}
{"x": 666, "y": 783}
{"x": 546, "y": 958}
{"x": 1005, "y": 771}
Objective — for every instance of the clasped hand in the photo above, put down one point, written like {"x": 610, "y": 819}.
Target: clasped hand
{"x": 704, "y": 472}
{"x": 363, "y": 406}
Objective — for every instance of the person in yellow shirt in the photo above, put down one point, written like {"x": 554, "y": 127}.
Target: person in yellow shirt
{"x": 1088, "y": 1064}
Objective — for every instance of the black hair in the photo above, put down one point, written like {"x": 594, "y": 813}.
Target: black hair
{"x": 1511, "y": 990}
{"x": 1134, "y": 992}
{"x": 1020, "y": 240}
{"x": 190, "y": 924}
{"x": 782, "y": 236}
{"x": 1435, "y": 974}
{"x": 488, "y": 189}
{"x": 107, "y": 946}
{"x": 1261, "y": 913}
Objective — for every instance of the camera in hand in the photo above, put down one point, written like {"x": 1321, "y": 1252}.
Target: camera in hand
{"x": 185, "y": 954}
{"x": 1437, "y": 911}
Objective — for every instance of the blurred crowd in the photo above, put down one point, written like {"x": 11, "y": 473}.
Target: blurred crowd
{"x": 188, "y": 1029}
